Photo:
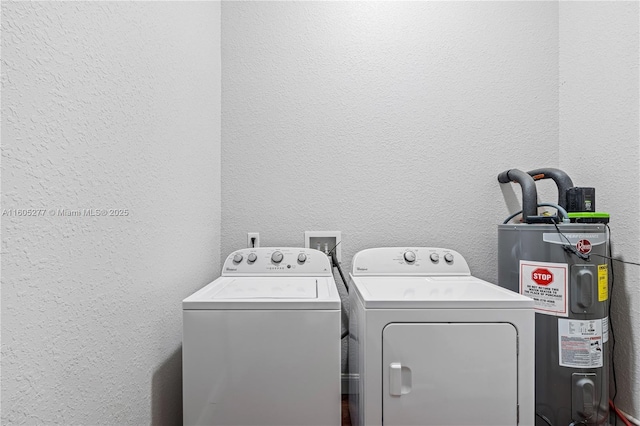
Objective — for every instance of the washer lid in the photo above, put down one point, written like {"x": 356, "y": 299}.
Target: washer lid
{"x": 266, "y": 293}
{"x": 436, "y": 293}
{"x": 268, "y": 288}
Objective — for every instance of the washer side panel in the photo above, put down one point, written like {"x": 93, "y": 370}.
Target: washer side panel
{"x": 261, "y": 367}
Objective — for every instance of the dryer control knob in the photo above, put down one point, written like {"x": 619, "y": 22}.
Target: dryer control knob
{"x": 448, "y": 258}
{"x": 409, "y": 256}
{"x": 302, "y": 258}
{"x": 434, "y": 257}
{"x": 252, "y": 257}
{"x": 237, "y": 258}
{"x": 276, "y": 257}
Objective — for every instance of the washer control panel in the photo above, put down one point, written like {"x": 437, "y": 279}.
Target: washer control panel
{"x": 277, "y": 261}
{"x": 414, "y": 261}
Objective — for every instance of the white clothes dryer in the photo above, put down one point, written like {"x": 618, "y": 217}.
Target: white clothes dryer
{"x": 431, "y": 345}
{"x": 261, "y": 344}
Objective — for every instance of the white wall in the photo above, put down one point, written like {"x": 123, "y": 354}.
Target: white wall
{"x": 105, "y": 105}
{"x": 599, "y": 113}
{"x": 386, "y": 121}
{"x": 390, "y": 121}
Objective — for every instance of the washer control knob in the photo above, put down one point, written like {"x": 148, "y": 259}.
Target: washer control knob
{"x": 434, "y": 257}
{"x": 252, "y": 258}
{"x": 237, "y": 258}
{"x": 448, "y": 258}
{"x": 302, "y": 258}
{"x": 276, "y": 257}
{"x": 409, "y": 256}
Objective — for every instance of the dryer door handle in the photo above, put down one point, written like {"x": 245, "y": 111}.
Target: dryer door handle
{"x": 399, "y": 379}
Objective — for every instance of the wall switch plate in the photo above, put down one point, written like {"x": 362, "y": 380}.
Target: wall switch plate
{"x": 253, "y": 239}
{"x": 324, "y": 241}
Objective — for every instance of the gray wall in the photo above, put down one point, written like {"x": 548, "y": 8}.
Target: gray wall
{"x": 105, "y": 105}
{"x": 599, "y": 110}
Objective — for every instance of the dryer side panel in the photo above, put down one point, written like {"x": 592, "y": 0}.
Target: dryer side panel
{"x": 357, "y": 350}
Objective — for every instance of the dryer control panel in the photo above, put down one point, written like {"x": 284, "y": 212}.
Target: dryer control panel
{"x": 410, "y": 261}
{"x": 277, "y": 261}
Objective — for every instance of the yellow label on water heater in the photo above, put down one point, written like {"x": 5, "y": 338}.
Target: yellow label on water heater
{"x": 603, "y": 283}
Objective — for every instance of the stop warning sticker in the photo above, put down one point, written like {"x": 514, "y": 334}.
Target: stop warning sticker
{"x": 546, "y": 283}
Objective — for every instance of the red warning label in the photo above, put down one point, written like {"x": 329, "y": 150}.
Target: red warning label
{"x": 546, "y": 283}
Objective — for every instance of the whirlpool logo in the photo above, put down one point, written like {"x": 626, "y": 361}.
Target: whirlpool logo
{"x": 361, "y": 269}
{"x": 231, "y": 269}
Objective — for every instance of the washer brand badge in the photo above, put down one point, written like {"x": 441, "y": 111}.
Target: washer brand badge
{"x": 231, "y": 269}
{"x": 584, "y": 246}
{"x": 361, "y": 269}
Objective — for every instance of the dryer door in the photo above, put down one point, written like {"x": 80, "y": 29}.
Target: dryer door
{"x": 450, "y": 374}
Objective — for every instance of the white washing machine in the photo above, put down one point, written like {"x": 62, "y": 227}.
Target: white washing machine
{"x": 431, "y": 345}
{"x": 261, "y": 344}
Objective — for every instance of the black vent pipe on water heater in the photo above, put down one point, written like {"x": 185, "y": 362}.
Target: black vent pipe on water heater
{"x": 561, "y": 179}
{"x": 529, "y": 192}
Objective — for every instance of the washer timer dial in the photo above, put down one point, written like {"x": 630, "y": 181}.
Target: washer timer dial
{"x": 409, "y": 256}
{"x": 276, "y": 257}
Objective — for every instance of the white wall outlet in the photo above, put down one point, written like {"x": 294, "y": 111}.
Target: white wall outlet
{"x": 253, "y": 239}
{"x": 324, "y": 241}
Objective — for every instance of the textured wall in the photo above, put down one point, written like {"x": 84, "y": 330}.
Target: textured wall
{"x": 599, "y": 146}
{"x": 105, "y": 105}
{"x": 388, "y": 121}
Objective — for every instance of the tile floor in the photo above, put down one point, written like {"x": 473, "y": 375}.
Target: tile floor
{"x": 346, "y": 421}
